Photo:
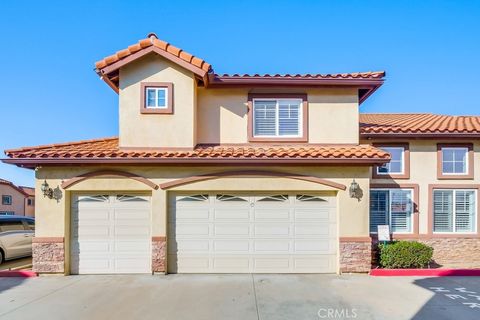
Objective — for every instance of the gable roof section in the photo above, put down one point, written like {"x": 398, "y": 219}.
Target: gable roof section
{"x": 107, "y": 151}
{"x": 422, "y": 125}
{"x": 107, "y": 69}
{"x": 11, "y": 184}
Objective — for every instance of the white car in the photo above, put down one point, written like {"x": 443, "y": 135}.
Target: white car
{"x": 16, "y": 234}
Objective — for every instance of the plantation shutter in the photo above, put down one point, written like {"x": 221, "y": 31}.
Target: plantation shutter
{"x": 265, "y": 118}
{"x": 378, "y": 208}
{"x": 288, "y": 117}
{"x": 443, "y": 210}
{"x": 401, "y": 210}
{"x": 464, "y": 210}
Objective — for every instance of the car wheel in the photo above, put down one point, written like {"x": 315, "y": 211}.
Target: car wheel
{"x": 1, "y": 257}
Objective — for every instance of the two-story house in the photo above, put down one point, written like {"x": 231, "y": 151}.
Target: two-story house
{"x": 249, "y": 174}
{"x": 16, "y": 200}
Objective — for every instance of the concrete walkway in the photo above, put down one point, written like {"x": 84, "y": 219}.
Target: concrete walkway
{"x": 242, "y": 297}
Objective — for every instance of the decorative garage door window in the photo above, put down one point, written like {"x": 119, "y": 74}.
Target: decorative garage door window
{"x": 96, "y": 198}
{"x": 226, "y": 197}
{"x": 196, "y": 197}
{"x": 393, "y": 207}
{"x": 304, "y": 197}
{"x": 454, "y": 211}
{"x": 130, "y": 198}
{"x": 279, "y": 198}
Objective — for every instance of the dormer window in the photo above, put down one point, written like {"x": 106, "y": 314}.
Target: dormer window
{"x": 281, "y": 117}
{"x": 156, "y": 97}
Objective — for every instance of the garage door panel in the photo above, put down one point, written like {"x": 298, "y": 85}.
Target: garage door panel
{"x": 273, "y": 230}
{"x": 232, "y": 229}
{"x": 192, "y": 230}
{"x": 272, "y": 214}
{"x": 312, "y": 230}
{"x": 188, "y": 214}
{"x": 88, "y": 231}
{"x": 312, "y": 246}
{"x": 193, "y": 246}
{"x": 273, "y": 233}
{"x": 223, "y": 264}
{"x": 232, "y": 214}
{"x": 312, "y": 214}
{"x": 239, "y": 246}
{"x": 110, "y": 234}
{"x": 92, "y": 247}
{"x": 272, "y": 246}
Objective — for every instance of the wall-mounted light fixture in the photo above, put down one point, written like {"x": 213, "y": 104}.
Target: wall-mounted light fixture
{"x": 51, "y": 193}
{"x": 355, "y": 190}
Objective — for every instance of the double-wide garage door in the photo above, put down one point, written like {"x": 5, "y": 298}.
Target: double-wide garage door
{"x": 238, "y": 233}
{"x": 110, "y": 234}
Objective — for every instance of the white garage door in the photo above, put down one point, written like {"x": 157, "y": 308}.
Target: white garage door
{"x": 234, "y": 233}
{"x": 110, "y": 234}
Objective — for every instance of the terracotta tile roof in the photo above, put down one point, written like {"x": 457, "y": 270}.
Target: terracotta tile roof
{"x": 108, "y": 149}
{"x": 418, "y": 123}
{"x": 28, "y": 190}
{"x": 150, "y": 41}
{"x": 355, "y": 75}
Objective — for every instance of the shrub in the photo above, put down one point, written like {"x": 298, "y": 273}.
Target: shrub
{"x": 405, "y": 254}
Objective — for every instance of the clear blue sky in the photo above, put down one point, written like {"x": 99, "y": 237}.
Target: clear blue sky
{"x": 49, "y": 92}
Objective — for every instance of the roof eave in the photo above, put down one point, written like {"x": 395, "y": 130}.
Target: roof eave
{"x": 32, "y": 163}
{"x": 409, "y": 135}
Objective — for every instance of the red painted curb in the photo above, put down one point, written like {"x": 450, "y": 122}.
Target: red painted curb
{"x": 424, "y": 272}
{"x": 18, "y": 273}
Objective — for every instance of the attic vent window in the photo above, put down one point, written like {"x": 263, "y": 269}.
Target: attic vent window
{"x": 156, "y": 97}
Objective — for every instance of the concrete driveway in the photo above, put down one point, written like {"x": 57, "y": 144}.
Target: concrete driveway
{"x": 242, "y": 297}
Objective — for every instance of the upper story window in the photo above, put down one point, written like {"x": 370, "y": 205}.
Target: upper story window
{"x": 156, "y": 97}
{"x": 6, "y": 200}
{"x": 455, "y": 161}
{"x": 396, "y": 164}
{"x": 399, "y": 165}
{"x": 278, "y": 117}
{"x": 30, "y": 202}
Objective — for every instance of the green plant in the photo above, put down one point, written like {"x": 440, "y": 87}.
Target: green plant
{"x": 405, "y": 254}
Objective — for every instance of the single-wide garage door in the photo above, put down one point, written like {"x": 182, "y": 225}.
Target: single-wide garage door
{"x": 110, "y": 234}
{"x": 237, "y": 233}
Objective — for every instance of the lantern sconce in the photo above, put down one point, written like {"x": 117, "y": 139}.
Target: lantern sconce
{"x": 51, "y": 193}
{"x": 355, "y": 190}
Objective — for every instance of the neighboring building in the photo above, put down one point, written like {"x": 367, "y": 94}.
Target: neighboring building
{"x": 250, "y": 173}
{"x": 16, "y": 200}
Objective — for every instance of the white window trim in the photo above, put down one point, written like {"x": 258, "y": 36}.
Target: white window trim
{"x": 466, "y": 162}
{"x": 156, "y": 97}
{"x": 7, "y": 197}
{"x": 455, "y": 213}
{"x": 402, "y": 160}
{"x": 412, "y": 227}
{"x": 300, "y": 117}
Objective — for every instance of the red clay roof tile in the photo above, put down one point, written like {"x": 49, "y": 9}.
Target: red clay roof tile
{"x": 108, "y": 149}
{"x": 148, "y": 42}
{"x": 356, "y": 75}
{"x": 418, "y": 123}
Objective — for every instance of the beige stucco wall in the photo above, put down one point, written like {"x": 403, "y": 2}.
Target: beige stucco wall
{"x": 52, "y": 216}
{"x": 18, "y": 200}
{"x": 222, "y": 115}
{"x": 423, "y": 171}
{"x": 156, "y": 130}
